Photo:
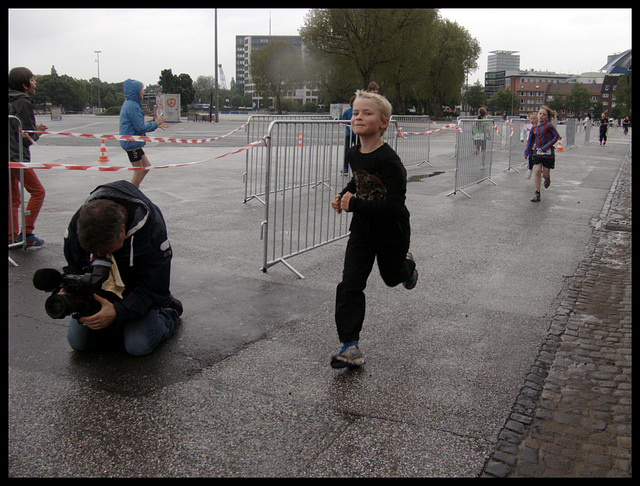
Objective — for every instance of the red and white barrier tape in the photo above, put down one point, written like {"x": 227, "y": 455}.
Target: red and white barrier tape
{"x": 429, "y": 132}
{"x": 136, "y": 138}
{"x": 104, "y": 168}
{"x": 495, "y": 127}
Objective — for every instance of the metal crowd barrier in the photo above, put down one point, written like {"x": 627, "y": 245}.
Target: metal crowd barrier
{"x": 412, "y": 149}
{"x": 303, "y": 164}
{"x": 587, "y": 132}
{"x": 17, "y": 125}
{"x": 257, "y": 126}
{"x": 474, "y": 147}
{"x": 517, "y": 143}
{"x": 570, "y": 133}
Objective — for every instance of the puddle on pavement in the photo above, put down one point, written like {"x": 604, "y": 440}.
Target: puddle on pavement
{"x": 419, "y": 177}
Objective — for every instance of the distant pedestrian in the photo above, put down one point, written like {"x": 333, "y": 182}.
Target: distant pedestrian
{"x": 481, "y": 132}
{"x": 373, "y": 87}
{"x": 540, "y": 144}
{"x": 625, "y": 125}
{"x": 350, "y": 138}
{"x": 21, "y": 87}
{"x": 604, "y": 125}
{"x": 132, "y": 123}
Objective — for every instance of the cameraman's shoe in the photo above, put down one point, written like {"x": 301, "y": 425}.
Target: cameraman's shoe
{"x": 413, "y": 280}
{"x": 173, "y": 303}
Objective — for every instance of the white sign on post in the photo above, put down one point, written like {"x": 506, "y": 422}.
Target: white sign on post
{"x": 168, "y": 105}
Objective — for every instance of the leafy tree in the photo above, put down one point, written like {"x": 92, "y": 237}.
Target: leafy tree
{"x": 181, "y": 84}
{"x": 623, "y": 94}
{"x": 504, "y": 101}
{"x": 414, "y": 55}
{"x": 452, "y": 53}
{"x": 578, "y": 100}
{"x": 276, "y": 68}
{"x": 475, "y": 96}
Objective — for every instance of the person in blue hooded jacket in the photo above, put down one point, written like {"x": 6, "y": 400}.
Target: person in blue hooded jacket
{"x": 132, "y": 123}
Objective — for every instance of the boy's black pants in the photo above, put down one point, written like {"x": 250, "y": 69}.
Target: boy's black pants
{"x": 362, "y": 250}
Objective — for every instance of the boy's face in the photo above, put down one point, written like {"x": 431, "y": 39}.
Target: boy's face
{"x": 367, "y": 119}
{"x": 31, "y": 89}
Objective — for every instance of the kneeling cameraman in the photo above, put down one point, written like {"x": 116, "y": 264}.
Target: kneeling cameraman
{"x": 118, "y": 222}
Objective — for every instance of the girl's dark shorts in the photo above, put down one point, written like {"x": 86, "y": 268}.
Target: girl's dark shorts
{"x": 548, "y": 162}
{"x": 135, "y": 155}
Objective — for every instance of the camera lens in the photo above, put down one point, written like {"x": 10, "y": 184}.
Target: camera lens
{"x": 58, "y": 306}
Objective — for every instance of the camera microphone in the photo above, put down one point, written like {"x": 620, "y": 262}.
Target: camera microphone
{"x": 47, "y": 279}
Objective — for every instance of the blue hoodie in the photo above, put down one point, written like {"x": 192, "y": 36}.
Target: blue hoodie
{"x": 131, "y": 116}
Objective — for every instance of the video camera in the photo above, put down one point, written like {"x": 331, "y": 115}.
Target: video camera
{"x": 79, "y": 301}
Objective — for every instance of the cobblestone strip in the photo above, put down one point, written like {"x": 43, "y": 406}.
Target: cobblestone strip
{"x": 572, "y": 418}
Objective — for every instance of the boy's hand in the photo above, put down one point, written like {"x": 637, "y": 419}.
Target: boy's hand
{"x": 335, "y": 203}
{"x": 344, "y": 201}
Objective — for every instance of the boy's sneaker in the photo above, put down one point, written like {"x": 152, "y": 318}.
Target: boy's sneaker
{"x": 413, "y": 280}
{"x": 32, "y": 240}
{"x": 547, "y": 182}
{"x": 349, "y": 356}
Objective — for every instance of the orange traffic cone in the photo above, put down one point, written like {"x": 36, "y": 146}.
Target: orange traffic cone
{"x": 560, "y": 149}
{"x": 103, "y": 152}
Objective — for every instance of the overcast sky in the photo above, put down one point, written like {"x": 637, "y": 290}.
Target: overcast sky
{"x": 140, "y": 43}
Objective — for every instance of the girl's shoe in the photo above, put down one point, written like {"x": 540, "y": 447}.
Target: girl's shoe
{"x": 536, "y": 198}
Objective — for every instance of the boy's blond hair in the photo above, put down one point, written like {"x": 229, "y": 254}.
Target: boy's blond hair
{"x": 381, "y": 102}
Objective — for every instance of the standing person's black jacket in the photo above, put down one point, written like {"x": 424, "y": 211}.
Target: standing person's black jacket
{"x": 21, "y": 106}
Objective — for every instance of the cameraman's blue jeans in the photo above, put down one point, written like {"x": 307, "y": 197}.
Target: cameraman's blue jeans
{"x": 141, "y": 336}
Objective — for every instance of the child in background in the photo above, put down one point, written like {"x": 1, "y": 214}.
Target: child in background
{"x": 379, "y": 229}
{"x": 524, "y": 136}
{"x": 132, "y": 123}
{"x": 541, "y": 139}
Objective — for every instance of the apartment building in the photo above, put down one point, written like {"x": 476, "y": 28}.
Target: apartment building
{"x": 245, "y": 46}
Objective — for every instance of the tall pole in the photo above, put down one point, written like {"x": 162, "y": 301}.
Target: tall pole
{"x": 98, "y": 61}
{"x": 216, "y": 66}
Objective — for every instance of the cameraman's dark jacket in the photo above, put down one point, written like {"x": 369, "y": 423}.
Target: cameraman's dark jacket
{"x": 144, "y": 261}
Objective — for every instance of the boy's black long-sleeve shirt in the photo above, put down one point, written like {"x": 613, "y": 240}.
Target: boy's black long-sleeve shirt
{"x": 387, "y": 217}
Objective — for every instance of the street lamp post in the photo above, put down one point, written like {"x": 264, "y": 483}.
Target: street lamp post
{"x": 98, "y": 61}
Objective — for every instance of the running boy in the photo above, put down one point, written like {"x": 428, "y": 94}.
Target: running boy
{"x": 380, "y": 226}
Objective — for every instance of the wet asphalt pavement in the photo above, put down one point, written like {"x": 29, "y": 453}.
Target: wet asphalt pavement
{"x": 244, "y": 389}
